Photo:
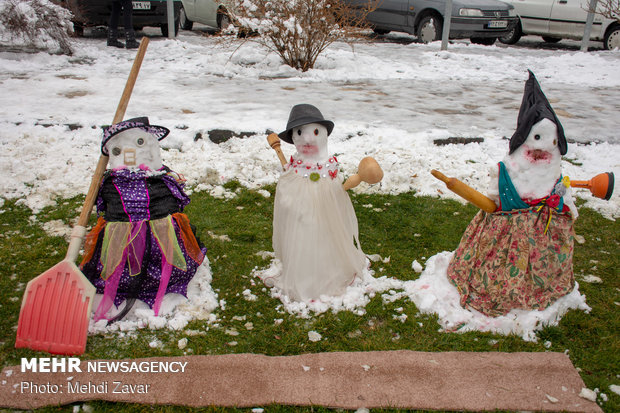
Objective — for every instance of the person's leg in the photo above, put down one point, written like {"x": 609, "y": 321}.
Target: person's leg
{"x": 113, "y": 25}
{"x": 130, "y": 36}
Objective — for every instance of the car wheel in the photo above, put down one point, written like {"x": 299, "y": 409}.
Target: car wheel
{"x": 612, "y": 38}
{"x": 486, "y": 41}
{"x": 548, "y": 39}
{"x": 184, "y": 22}
{"x": 429, "y": 28}
{"x": 164, "y": 28}
{"x": 380, "y": 31}
{"x": 513, "y": 36}
{"x": 223, "y": 19}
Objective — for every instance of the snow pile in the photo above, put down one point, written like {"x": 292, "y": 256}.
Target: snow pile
{"x": 39, "y": 24}
{"x": 432, "y": 293}
{"x": 354, "y": 299}
{"x": 175, "y": 313}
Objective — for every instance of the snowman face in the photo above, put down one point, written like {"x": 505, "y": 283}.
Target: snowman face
{"x": 541, "y": 145}
{"x": 311, "y": 142}
{"x": 132, "y": 148}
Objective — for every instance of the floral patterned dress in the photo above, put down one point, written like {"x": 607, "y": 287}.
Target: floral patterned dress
{"x": 515, "y": 258}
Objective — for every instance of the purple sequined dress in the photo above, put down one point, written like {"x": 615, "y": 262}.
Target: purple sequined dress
{"x": 143, "y": 246}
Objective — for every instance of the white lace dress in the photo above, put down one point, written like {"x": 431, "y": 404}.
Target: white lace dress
{"x": 315, "y": 233}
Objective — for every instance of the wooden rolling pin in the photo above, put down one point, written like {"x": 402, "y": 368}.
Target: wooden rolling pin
{"x": 467, "y": 192}
{"x": 274, "y": 142}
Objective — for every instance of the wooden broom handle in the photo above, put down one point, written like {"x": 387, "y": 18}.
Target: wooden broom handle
{"x": 93, "y": 190}
{"x": 274, "y": 142}
{"x": 467, "y": 192}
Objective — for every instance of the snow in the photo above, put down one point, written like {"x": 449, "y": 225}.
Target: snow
{"x": 389, "y": 100}
{"x": 175, "y": 313}
{"x": 588, "y": 394}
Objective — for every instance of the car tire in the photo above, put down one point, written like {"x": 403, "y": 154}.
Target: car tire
{"x": 184, "y": 22}
{"x": 486, "y": 41}
{"x": 164, "y": 28}
{"x": 514, "y": 35}
{"x": 223, "y": 19}
{"x": 430, "y": 28}
{"x": 612, "y": 38}
{"x": 552, "y": 40}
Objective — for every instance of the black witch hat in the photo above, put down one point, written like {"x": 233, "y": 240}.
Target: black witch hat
{"x": 534, "y": 108}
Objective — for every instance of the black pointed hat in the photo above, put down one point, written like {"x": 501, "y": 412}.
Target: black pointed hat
{"x": 534, "y": 108}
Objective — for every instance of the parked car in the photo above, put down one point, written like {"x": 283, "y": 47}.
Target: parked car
{"x": 483, "y": 21}
{"x": 209, "y": 12}
{"x": 97, "y": 13}
{"x": 561, "y": 19}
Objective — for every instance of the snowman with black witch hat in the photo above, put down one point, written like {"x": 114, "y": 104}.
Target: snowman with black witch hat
{"x": 315, "y": 231}
{"x": 520, "y": 257}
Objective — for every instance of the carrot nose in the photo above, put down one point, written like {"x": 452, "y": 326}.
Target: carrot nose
{"x": 601, "y": 186}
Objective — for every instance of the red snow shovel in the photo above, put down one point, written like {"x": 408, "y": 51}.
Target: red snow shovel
{"x": 56, "y": 305}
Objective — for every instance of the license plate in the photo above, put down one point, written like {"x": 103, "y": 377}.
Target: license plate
{"x": 141, "y": 5}
{"x": 498, "y": 24}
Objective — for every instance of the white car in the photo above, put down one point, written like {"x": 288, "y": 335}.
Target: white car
{"x": 555, "y": 20}
{"x": 209, "y": 12}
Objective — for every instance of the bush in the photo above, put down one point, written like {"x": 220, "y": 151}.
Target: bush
{"x": 39, "y": 24}
{"x": 609, "y": 9}
{"x": 299, "y": 30}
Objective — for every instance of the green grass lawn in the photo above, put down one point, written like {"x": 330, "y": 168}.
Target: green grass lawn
{"x": 404, "y": 227}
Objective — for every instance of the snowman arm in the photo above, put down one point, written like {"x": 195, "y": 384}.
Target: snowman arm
{"x": 493, "y": 189}
{"x": 570, "y": 202}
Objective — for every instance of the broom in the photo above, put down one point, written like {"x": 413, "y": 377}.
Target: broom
{"x": 56, "y": 306}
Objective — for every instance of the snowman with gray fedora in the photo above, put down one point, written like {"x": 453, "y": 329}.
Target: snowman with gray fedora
{"x": 315, "y": 229}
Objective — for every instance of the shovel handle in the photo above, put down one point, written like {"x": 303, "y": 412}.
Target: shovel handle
{"x": 77, "y": 236}
{"x": 91, "y": 196}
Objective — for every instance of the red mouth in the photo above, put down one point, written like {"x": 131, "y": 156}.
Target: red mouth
{"x": 310, "y": 149}
{"x": 538, "y": 155}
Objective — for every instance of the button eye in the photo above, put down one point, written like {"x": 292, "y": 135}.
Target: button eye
{"x": 316, "y": 132}
{"x": 116, "y": 151}
{"x": 299, "y": 132}
{"x": 537, "y": 137}
{"x": 555, "y": 142}
{"x": 140, "y": 141}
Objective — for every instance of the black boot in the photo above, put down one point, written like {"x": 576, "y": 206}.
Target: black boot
{"x": 113, "y": 38}
{"x": 130, "y": 40}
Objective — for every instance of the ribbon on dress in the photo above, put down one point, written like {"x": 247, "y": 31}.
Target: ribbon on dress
{"x": 171, "y": 255}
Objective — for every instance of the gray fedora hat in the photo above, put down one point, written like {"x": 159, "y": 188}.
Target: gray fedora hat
{"x": 304, "y": 114}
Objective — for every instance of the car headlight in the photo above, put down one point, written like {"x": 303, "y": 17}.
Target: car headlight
{"x": 471, "y": 12}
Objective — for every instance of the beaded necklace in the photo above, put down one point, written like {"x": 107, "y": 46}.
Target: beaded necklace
{"x": 314, "y": 171}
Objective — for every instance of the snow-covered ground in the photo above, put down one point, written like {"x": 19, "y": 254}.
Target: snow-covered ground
{"x": 389, "y": 99}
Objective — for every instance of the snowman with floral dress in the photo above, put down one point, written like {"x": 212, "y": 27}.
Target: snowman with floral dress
{"x": 520, "y": 257}
{"x": 315, "y": 231}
